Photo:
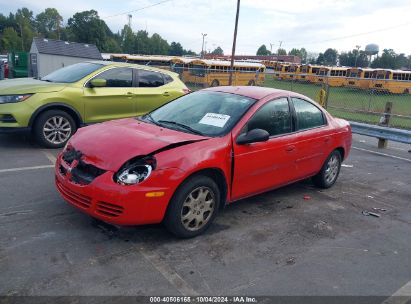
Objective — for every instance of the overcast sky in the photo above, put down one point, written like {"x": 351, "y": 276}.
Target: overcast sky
{"x": 314, "y": 24}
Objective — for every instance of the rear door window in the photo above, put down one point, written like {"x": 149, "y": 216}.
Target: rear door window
{"x": 308, "y": 115}
{"x": 150, "y": 79}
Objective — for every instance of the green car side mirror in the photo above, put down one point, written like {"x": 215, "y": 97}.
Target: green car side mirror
{"x": 98, "y": 83}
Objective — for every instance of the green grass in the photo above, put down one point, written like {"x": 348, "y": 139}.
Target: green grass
{"x": 343, "y": 102}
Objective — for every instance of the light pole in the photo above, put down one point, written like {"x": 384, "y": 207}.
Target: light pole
{"x": 358, "y": 53}
{"x": 230, "y": 80}
{"x": 202, "y": 46}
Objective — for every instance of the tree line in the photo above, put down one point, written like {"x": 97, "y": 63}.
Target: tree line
{"x": 388, "y": 59}
{"x": 17, "y": 31}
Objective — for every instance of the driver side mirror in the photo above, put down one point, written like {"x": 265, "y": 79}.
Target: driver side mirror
{"x": 255, "y": 135}
{"x": 98, "y": 83}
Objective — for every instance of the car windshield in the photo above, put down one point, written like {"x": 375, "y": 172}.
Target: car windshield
{"x": 72, "y": 73}
{"x": 204, "y": 113}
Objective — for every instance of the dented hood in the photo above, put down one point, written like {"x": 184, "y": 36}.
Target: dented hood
{"x": 109, "y": 145}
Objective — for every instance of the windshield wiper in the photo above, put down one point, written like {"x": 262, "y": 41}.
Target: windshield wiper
{"x": 150, "y": 118}
{"x": 188, "y": 128}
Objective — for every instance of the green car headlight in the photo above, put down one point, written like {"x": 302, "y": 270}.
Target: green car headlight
{"x": 13, "y": 98}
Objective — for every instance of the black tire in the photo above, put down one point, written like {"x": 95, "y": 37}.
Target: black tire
{"x": 329, "y": 172}
{"x": 178, "y": 206}
{"x": 62, "y": 135}
{"x": 215, "y": 83}
{"x": 251, "y": 83}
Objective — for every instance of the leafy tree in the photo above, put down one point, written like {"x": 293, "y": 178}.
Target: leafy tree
{"x": 330, "y": 56}
{"x": 189, "y": 53}
{"x": 142, "y": 43}
{"x": 87, "y": 27}
{"x": 320, "y": 59}
{"x": 175, "y": 49}
{"x": 390, "y": 60}
{"x": 302, "y": 53}
{"x": 353, "y": 58}
{"x": 25, "y": 21}
{"x": 127, "y": 40}
{"x": 158, "y": 45}
{"x": 49, "y": 23}
{"x": 262, "y": 51}
{"x": 218, "y": 51}
{"x": 281, "y": 52}
{"x": 10, "y": 40}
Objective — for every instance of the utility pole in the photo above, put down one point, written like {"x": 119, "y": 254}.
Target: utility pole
{"x": 202, "y": 46}
{"x": 271, "y": 47}
{"x": 230, "y": 81}
{"x": 279, "y": 48}
{"x": 129, "y": 17}
{"x": 358, "y": 53}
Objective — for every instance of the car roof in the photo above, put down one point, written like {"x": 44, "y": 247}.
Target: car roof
{"x": 251, "y": 91}
{"x": 132, "y": 65}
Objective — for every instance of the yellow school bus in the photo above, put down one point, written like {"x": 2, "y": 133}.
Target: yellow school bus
{"x": 359, "y": 78}
{"x": 292, "y": 72}
{"x": 180, "y": 65}
{"x": 216, "y": 73}
{"x": 281, "y": 70}
{"x": 308, "y": 73}
{"x": 392, "y": 81}
{"x": 162, "y": 62}
{"x": 333, "y": 76}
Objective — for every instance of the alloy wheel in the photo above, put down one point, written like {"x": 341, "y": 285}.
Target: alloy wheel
{"x": 198, "y": 208}
{"x": 57, "y": 129}
{"x": 331, "y": 171}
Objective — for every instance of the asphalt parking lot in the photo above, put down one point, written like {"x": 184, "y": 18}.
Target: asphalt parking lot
{"x": 298, "y": 240}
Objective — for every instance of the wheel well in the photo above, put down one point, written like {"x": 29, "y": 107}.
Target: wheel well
{"x": 218, "y": 177}
{"x": 72, "y": 112}
{"x": 342, "y": 152}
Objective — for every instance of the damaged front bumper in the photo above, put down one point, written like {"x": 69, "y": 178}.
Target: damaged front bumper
{"x": 102, "y": 198}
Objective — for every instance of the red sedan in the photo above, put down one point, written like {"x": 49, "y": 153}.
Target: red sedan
{"x": 181, "y": 163}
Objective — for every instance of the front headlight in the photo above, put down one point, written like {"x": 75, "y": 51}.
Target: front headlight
{"x": 135, "y": 171}
{"x": 13, "y": 98}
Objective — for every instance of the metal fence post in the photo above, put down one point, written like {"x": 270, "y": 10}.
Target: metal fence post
{"x": 384, "y": 122}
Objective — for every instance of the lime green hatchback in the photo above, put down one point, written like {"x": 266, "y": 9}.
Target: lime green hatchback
{"x": 53, "y": 107}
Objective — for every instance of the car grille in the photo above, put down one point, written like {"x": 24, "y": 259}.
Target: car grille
{"x": 76, "y": 199}
{"x": 82, "y": 173}
{"x": 108, "y": 209}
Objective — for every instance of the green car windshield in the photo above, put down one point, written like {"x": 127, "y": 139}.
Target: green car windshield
{"x": 72, "y": 73}
{"x": 204, "y": 113}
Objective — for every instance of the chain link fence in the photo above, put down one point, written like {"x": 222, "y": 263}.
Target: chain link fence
{"x": 341, "y": 96}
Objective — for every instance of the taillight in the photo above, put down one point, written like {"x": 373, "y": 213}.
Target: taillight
{"x": 186, "y": 91}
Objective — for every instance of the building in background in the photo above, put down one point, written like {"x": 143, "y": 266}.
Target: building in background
{"x": 48, "y": 55}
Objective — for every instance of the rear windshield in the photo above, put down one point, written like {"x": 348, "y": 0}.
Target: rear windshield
{"x": 72, "y": 73}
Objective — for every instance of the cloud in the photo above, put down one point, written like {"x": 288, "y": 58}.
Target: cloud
{"x": 311, "y": 24}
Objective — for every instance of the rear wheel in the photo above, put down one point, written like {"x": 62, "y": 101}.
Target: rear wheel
{"x": 215, "y": 83}
{"x": 329, "y": 172}
{"x": 53, "y": 128}
{"x": 193, "y": 207}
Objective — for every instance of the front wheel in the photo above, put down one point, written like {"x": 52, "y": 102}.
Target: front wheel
{"x": 52, "y": 129}
{"x": 193, "y": 207}
{"x": 329, "y": 172}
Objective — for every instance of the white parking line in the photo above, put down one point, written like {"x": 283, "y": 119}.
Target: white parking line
{"x": 26, "y": 168}
{"x": 50, "y": 156}
{"x": 382, "y": 154}
{"x": 401, "y": 296}
{"x": 168, "y": 273}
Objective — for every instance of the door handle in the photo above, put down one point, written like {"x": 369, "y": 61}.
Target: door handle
{"x": 130, "y": 93}
{"x": 327, "y": 139}
{"x": 166, "y": 94}
{"x": 290, "y": 148}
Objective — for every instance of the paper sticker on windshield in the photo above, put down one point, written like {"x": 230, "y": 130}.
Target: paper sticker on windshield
{"x": 214, "y": 119}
